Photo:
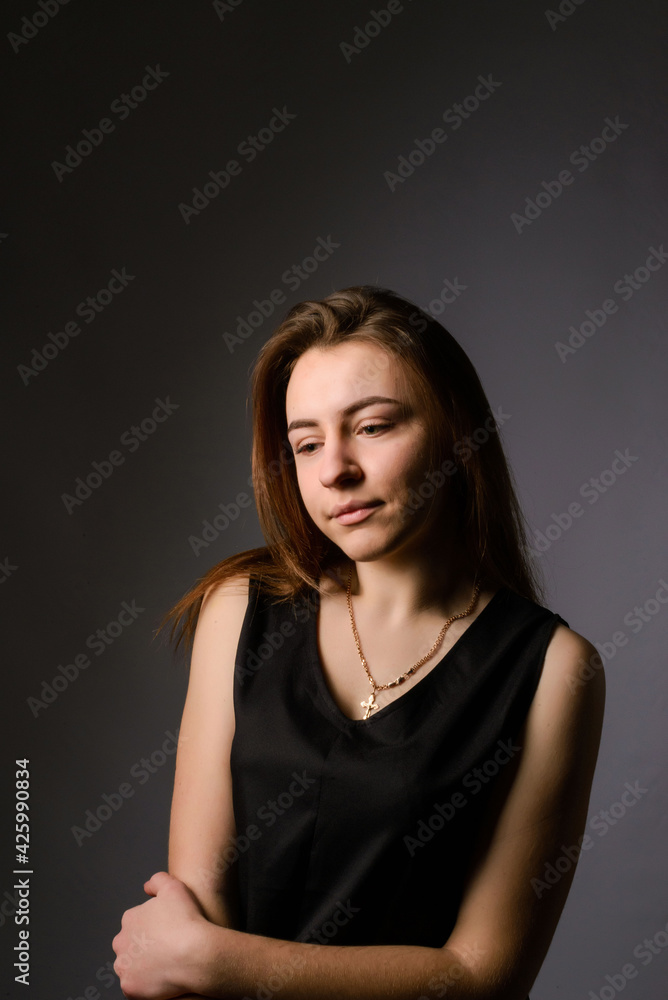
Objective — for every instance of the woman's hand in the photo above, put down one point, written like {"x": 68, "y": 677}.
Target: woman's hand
{"x": 157, "y": 947}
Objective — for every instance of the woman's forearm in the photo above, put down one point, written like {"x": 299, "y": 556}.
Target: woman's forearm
{"x": 167, "y": 948}
{"x": 237, "y": 965}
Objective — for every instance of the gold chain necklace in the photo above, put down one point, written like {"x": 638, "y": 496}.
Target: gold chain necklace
{"x": 371, "y": 705}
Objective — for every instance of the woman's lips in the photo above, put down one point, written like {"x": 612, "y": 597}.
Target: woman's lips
{"x": 353, "y": 516}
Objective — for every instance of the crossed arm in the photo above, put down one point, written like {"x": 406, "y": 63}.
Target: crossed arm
{"x": 183, "y": 941}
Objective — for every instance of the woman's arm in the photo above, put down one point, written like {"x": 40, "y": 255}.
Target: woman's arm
{"x": 507, "y": 917}
{"x": 202, "y": 819}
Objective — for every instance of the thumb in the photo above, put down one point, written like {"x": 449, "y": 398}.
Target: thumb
{"x": 157, "y": 882}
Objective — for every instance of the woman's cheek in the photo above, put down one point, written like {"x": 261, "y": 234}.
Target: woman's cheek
{"x": 313, "y": 504}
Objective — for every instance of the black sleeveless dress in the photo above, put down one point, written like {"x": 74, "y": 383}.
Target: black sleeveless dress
{"x": 360, "y": 832}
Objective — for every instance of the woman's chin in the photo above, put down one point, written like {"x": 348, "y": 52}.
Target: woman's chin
{"x": 370, "y": 546}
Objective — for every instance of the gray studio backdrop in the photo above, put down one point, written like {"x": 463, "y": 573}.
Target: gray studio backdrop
{"x": 180, "y": 174}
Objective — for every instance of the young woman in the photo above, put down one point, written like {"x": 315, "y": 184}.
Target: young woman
{"x": 387, "y": 747}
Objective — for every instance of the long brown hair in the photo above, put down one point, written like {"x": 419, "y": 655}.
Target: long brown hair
{"x": 463, "y": 438}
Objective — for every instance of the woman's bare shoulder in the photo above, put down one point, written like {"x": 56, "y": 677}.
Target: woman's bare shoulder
{"x": 236, "y": 586}
{"x": 220, "y": 619}
{"x": 572, "y": 655}
{"x": 571, "y": 691}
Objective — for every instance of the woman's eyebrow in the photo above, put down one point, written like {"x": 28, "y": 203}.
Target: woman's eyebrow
{"x": 346, "y": 411}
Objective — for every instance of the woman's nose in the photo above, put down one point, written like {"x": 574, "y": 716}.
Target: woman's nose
{"x": 338, "y": 462}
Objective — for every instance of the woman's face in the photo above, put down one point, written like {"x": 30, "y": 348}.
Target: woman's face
{"x": 354, "y": 445}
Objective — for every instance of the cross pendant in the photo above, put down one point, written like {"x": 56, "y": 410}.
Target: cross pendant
{"x": 370, "y": 705}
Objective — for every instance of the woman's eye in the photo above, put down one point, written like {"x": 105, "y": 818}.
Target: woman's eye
{"x": 365, "y": 427}
{"x": 368, "y": 427}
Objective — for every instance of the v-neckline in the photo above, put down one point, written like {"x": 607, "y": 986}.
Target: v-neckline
{"x": 386, "y": 709}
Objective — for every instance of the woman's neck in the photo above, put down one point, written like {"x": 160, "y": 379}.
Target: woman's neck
{"x": 398, "y": 588}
